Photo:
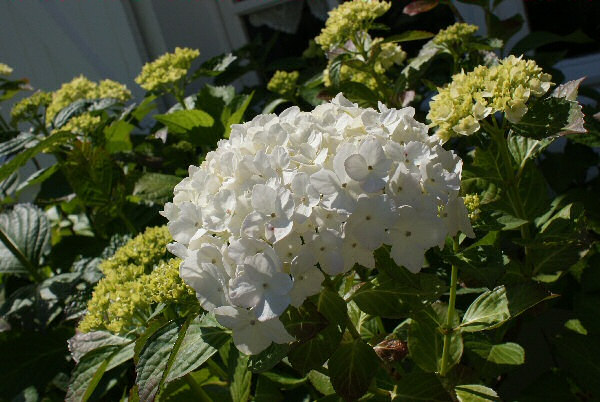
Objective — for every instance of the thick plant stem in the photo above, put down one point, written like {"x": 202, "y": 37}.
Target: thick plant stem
{"x": 450, "y": 316}
{"x": 200, "y": 393}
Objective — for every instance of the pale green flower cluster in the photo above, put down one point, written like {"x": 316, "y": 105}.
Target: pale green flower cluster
{"x": 167, "y": 69}
{"x": 391, "y": 53}
{"x": 283, "y": 82}
{"x": 456, "y": 33}
{"x": 82, "y": 124}
{"x": 472, "y": 202}
{"x": 82, "y": 88}
{"x": 137, "y": 277}
{"x": 471, "y": 97}
{"x": 5, "y": 69}
{"x": 29, "y": 107}
{"x": 348, "y": 19}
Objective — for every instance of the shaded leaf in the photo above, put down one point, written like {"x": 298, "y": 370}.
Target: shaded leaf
{"x": 27, "y": 228}
{"x": 351, "y": 369}
{"x": 155, "y": 187}
{"x": 44, "y": 145}
{"x": 426, "y": 340}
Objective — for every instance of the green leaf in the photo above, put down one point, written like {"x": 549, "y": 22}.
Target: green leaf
{"x": 480, "y": 263}
{"x": 155, "y": 358}
{"x": 267, "y": 391}
{"x": 578, "y": 355}
{"x": 506, "y": 28}
{"x": 426, "y": 340}
{"x": 560, "y": 240}
{"x": 304, "y": 322}
{"x": 240, "y": 378}
{"x": 44, "y": 145}
{"x": 91, "y": 172}
{"x": 270, "y": 107}
{"x": 28, "y": 232}
{"x": 311, "y": 354}
{"x": 335, "y": 67}
{"x": 493, "y": 308}
{"x": 85, "y": 342}
{"x": 503, "y": 353}
{"x": 524, "y": 149}
{"x": 285, "y": 380}
{"x": 546, "y": 117}
{"x": 576, "y": 326}
{"x": 202, "y": 340}
{"x": 91, "y": 368}
{"x": 268, "y": 358}
{"x": 321, "y": 382}
{"x": 408, "y": 36}
{"x": 117, "y": 136}
{"x": 183, "y": 121}
{"x": 234, "y": 112}
{"x": 475, "y": 393}
{"x": 24, "y": 353}
{"x": 15, "y": 145}
{"x": 145, "y": 107}
{"x": 359, "y": 93}
{"x": 156, "y": 188}
{"x": 215, "y": 66}
{"x": 352, "y": 368}
{"x": 38, "y": 177}
{"x": 395, "y": 292}
{"x": 420, "y": 387}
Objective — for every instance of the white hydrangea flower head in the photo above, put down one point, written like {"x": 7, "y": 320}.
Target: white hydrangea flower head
{"x": 289, "y": 199}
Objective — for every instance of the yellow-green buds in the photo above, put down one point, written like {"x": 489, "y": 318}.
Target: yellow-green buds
{"x": 283, "y": 83}
{"x": 167, "y": 69}
{"x": 348, "y": 19}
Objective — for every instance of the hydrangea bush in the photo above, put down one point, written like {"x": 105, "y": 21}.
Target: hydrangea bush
{"x": 393, "y": 222}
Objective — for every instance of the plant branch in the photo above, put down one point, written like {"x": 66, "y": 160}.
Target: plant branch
{"x": 449, "y": 328}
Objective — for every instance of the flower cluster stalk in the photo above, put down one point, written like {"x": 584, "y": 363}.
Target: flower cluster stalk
{"x": 449, "y": 327}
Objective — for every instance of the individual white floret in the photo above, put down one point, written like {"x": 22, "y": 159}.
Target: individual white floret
{"x": 250, "y": 335}
{"x": 261, "y": 284}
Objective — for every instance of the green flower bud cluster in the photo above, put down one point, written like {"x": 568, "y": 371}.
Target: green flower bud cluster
{"x": 29, "y": 107}
{"x": 391, "y": 54}
{"x": 456, "y": 33}
{"x": 472, "y": 202}
{"x": 348, "y": 19}
{"x": 167, "y": 69}
{"x": 82, "y": 124}
{"x": 283, "y": 83}
{"x": 82, "y": 88}
{"x": 137, "y": 277}
{"x": 5, "y": 70}
{"x": 471, "y": 97}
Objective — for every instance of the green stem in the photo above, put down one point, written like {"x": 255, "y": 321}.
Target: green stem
{"x": 352, "y": 329}
{"x": 197, "y": 388}
{"x": 10, "y": 245}
{"x": 216, "y": 369}
{"x": 449, "y": 328}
